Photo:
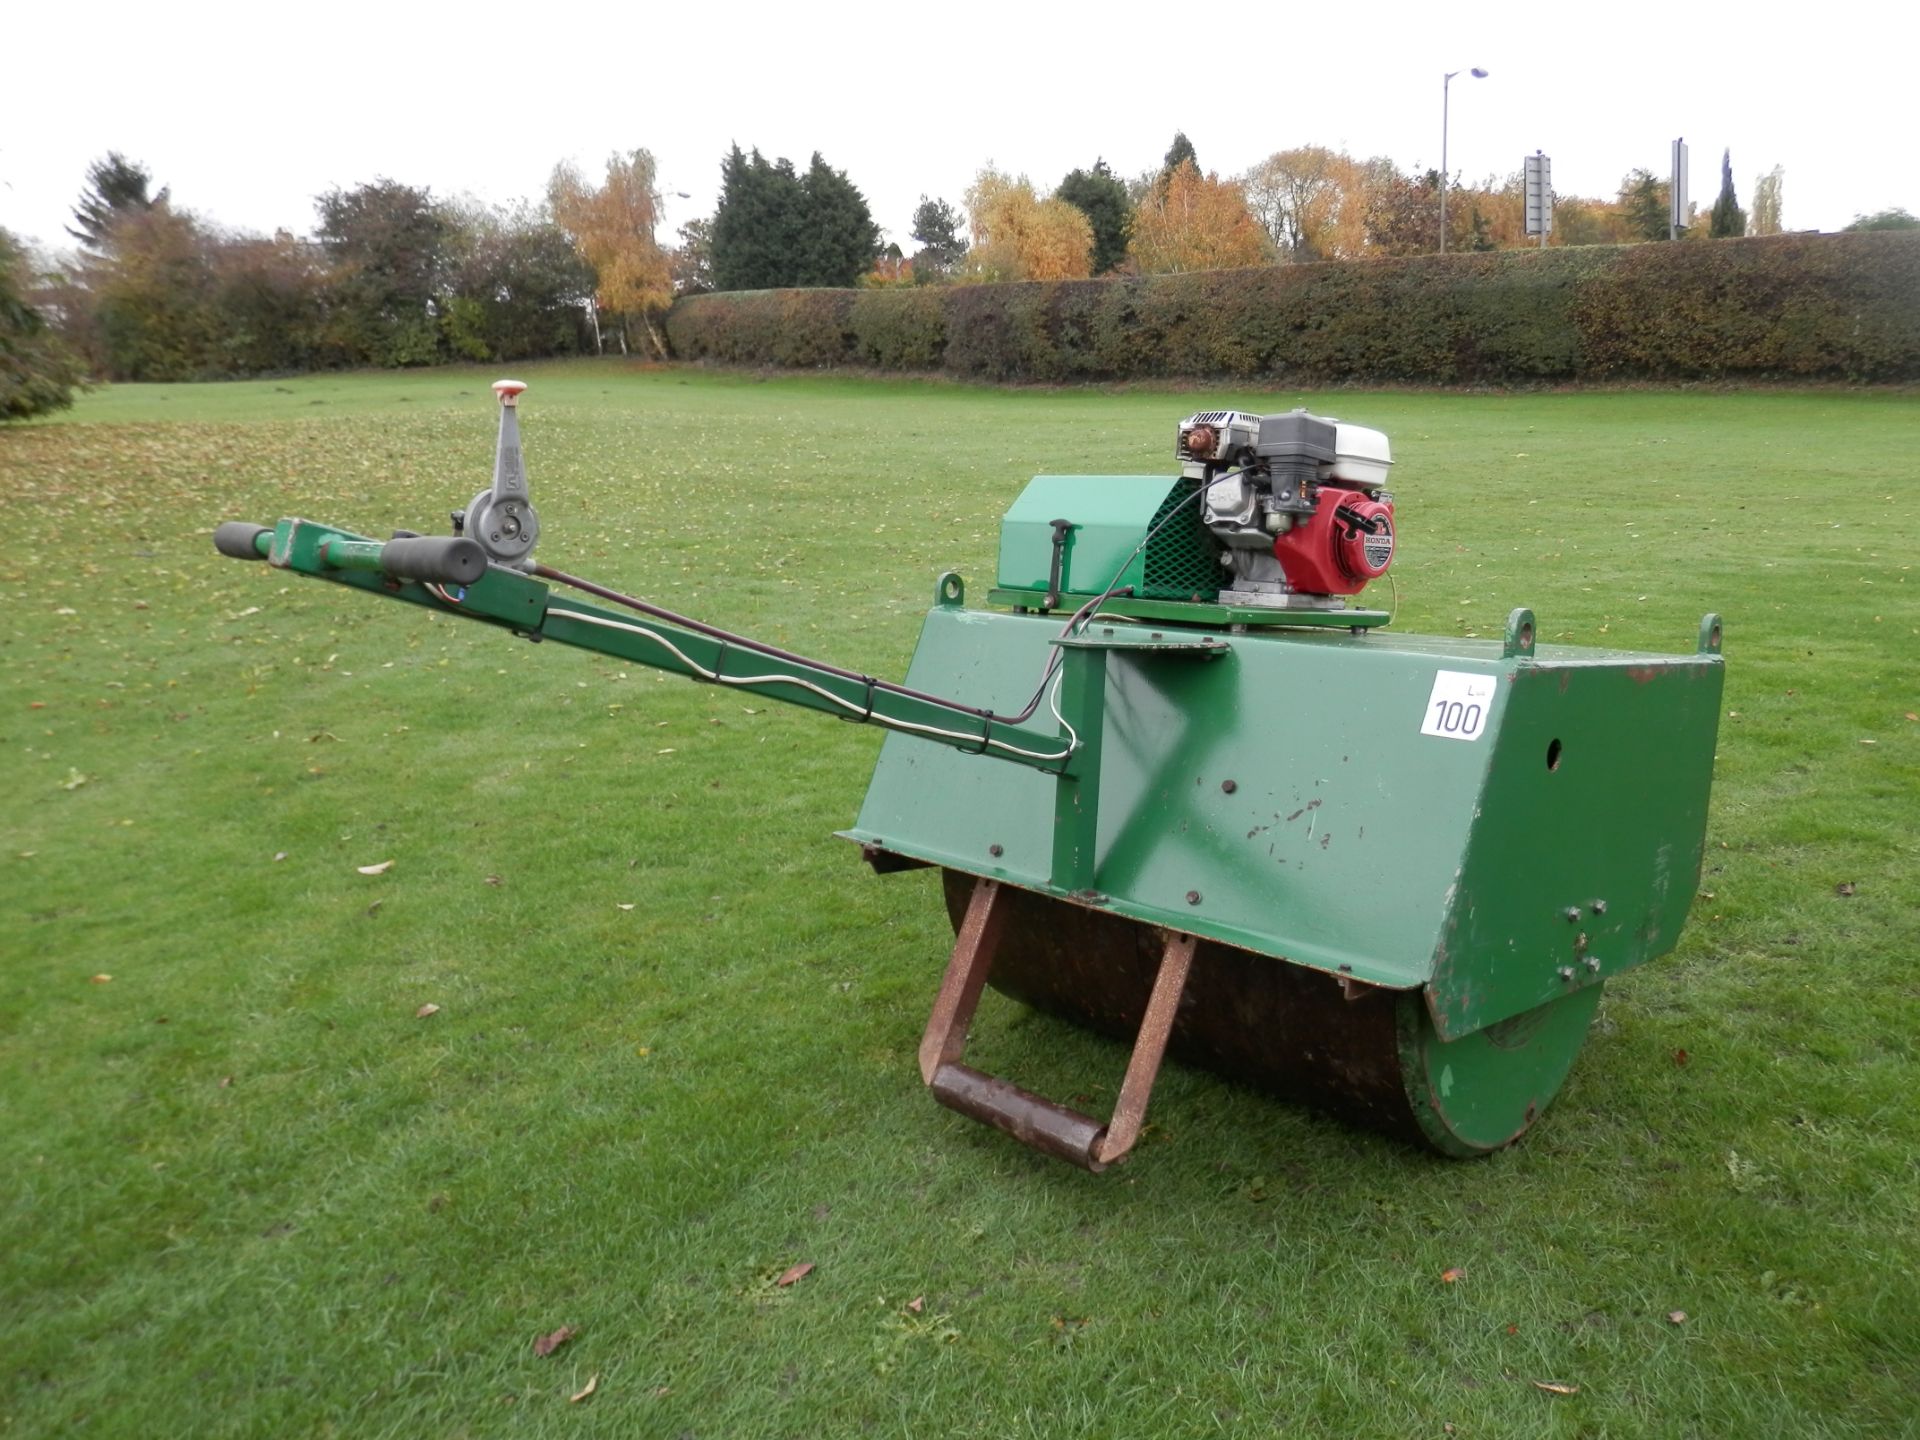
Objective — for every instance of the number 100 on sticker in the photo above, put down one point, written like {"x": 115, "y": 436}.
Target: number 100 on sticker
{"x": 1457, "y": 708}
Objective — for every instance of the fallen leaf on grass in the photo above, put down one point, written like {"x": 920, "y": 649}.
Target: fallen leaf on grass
{"x": 74, "y": 779}
{"x": 279, "y": 855}
{"x": 917, "y": 1304}
{"x": 795, "y": 1273}
{"x": 547, "y": 1344}
{"x": 593, "y": 1384}
{"x": 1912, "y": 716}
{"x": 1452, "y": 1274}
{"x": 225, "y": 1081}
{"x": 1676, "y": 1317}
{"x": 1845, "y": 889}
{"x": 1679, "y": 1057}
{"x": 380, "y": 869}
{"x": 618, "y": 906}
{"x": 425, "y": 1010}
{"x": 99, "y": 979}
{"x": 494, "y": 880}
{"x": 1553, "y": 1389}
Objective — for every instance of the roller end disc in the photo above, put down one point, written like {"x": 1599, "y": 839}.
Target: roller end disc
{"x": 1474, "y": 1095}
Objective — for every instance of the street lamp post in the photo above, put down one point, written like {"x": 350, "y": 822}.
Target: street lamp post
{"x": 1446, "y": 81}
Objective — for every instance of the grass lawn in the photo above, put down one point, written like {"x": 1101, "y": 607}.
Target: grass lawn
{"x": 247, "y": 1192}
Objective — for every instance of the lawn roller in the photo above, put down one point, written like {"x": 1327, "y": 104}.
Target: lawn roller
{"x": 1183, "y": 787}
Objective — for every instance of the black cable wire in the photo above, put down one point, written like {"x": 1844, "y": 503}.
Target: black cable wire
{"x": 1079, "y": 617}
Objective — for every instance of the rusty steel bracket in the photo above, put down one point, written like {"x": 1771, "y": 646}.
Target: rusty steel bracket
{"x": 1032, "y": 1119}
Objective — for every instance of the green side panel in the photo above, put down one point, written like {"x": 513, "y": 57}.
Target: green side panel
{"x": 1283, "y": 798}
{"x": 1284, "y": 786}
{"x": 1111, "y": 514}
{"x": 1586, "y": 854}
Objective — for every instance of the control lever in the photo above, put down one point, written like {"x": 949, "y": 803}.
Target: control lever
{"x": 502, "y": 519}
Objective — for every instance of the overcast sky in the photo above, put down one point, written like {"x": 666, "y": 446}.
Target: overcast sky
{"x": 248, "y": 111}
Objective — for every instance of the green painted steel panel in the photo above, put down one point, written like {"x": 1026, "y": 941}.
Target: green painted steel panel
{"x": 1335, "y": 847}
{"x": 1618, "y": 822}
{"x": 1282, "y": 798}
{"x": 1111, "y": 514}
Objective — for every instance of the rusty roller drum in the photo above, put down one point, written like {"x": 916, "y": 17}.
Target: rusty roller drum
{"x": 1367, "y": 1056}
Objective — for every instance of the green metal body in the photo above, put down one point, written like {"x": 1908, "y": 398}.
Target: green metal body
{"x": 1404, "y": 912}
{"x": 1280, "y": 798}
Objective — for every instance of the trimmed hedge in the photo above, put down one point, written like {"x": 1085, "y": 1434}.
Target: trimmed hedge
{"x": 1783, "y": 307}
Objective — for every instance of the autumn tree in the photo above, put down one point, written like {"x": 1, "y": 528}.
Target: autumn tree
{"x": 1101, "y": 196}
{"x": 1195, "y": 222}
{"x": 268, "y": 301}
{"x": 1403, "y": 214}
{"x": 152, "y": 297}
{"x": 1298, "y": 197}
{"x": 1581, "y": 221}
{"x": 37, "y": 372}
{"x": 891, "y": 270}
{"x": 116, "y": 186}
{"x": 936, "y": 225}
{"x": 611, "y": 226}
{"x": 1018, "y": 236}
{"x": 1765, "y": 219}
{"x": 1727, "y": 219}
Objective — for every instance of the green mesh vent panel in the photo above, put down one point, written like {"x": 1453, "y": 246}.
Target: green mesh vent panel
{"x": 1179, "y": 563}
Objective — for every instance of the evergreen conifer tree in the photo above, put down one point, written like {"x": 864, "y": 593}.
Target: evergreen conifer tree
{"x": 1102, "y": 198}
{"x": 1728, "y": 218}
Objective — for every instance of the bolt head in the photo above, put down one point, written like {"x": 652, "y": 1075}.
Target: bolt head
{"x": 1193, "y": 897}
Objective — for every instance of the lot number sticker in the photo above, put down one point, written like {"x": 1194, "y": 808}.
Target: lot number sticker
{"x": 1457, "y": 709}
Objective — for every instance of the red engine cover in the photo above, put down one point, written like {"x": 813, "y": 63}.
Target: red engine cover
{"x": 1347, "y": 541}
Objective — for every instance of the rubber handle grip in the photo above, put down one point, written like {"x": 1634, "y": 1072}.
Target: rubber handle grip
{"x": 238, "y": 539}
{"x": 439, "y": 559}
